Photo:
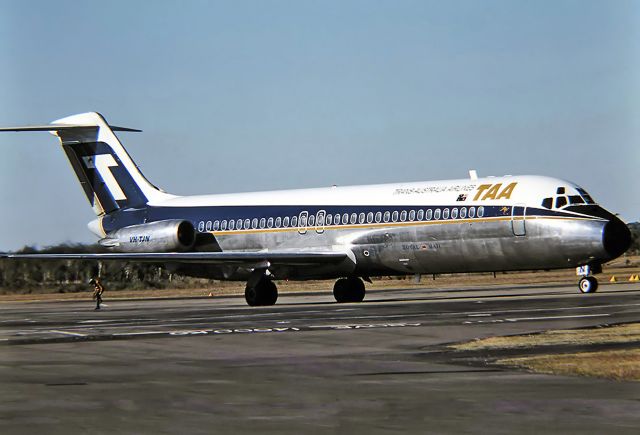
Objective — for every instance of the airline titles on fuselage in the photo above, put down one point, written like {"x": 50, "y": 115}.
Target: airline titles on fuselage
{"x": 484, "y": 192}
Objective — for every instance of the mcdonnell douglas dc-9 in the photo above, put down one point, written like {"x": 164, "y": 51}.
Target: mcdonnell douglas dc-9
{"x": 345, "y": 233}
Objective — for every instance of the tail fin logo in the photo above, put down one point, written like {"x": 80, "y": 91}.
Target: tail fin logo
{"x": 102, "y": 163}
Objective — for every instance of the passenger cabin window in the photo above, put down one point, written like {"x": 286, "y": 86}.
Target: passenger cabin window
{"x": 263, "y": 222}
{"x": 480, "y": 211}
{"x": 201, "y": 226}
{"x": 208, "y": 225}
{"x": 223, "y": 225}
{"x": 336, "y": 219}
{"x": 270, "y": 222}
{"x": 403, "y": 216}
{"x": 285, "y": 221}
{"x": 329, "y": 219}
{"x": 454, "y": 213}
{"x": 247, "y": 224}
{"x": 412, "y": 215}
{"x": 387, "y": 216}
{"x": 216, "y": 225}
{"x": 312, "y": 220}
{"x": 420, "y": 214}
{"x": 472, "y": 212}
{"x": 547, "y": 203}
{"x": 294, "y": 221}
{"x": 379, "y": 217}
{"x": 463, "y": 213}
{"x": 239, "y": 224}
{"x": 320, "y": 221}
{"x": 303, "y": 220}
{"x": 369, "y": 217}
{"x": 254, "y": 223}
{"x": 232, "y": 224}
{"x": 345, "y": 219}
{"x": 561, "y": 201}
{"x": 361, "y": 218}
{"x": 354, "y": 218}
{"x": 445, "y": 213}
{"x": 429, "y": 214}
{"x": 394, "y": 216}
{"x": 436, "y": 214}
{"x": 278, "y": 222}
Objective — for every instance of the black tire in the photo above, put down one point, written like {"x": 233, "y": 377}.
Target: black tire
{"x": 269, "y": 292}
{"x": 349, "y": 290}
{"x": 264, "y": 293}
{"x": 341, "y": 290}
{"x": 251, "y": 296}
{"x": 588, "y": 284}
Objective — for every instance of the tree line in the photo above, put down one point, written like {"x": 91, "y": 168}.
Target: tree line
{"x": 26, "y": 276}
{"x": 74, "y": 275}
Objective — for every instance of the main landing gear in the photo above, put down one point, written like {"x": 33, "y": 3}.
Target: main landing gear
{"x": 349, "y": 290}
{"x": 588, "y": 284}
{"x": 261, "y": 292}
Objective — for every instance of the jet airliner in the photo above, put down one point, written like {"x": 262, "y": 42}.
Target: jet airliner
{"x": 345, "y": 233}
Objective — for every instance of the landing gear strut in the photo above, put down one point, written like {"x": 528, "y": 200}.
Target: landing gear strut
{"x": 349, "y": 290}
{"x": 588, "y": 284}
{"x": 261, "y": 292}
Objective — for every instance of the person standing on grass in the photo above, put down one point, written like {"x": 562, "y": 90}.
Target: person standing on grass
{"x": 98, "y": 289}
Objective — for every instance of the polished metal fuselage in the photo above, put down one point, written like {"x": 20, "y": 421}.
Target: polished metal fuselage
{"x": 483, "y": 245}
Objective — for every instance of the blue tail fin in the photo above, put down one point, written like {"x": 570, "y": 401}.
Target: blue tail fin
{"x": 107, "y": 174}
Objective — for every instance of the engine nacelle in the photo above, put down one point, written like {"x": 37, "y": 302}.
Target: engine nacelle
{"x": 161, "y": 236}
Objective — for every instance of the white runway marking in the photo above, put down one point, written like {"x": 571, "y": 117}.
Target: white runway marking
{"x": 525, "y": 310}
{"x": 524, "y": 319}
{"x": 139, "y": 333}
{"x": 76, "y": 334}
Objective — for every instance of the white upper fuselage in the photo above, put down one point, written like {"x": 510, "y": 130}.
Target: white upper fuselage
{"x": 528, "y": 189}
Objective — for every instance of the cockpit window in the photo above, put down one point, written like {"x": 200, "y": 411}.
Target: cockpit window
{"x": 560, "y": 191}
{"x": 586, "y": 196}
{"x": 576, "y": 199}
{"x": 547, "y": 203}
{"x": 561, "y": 201}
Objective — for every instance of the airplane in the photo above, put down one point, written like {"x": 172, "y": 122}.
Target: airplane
{"x": 350, "y": 233}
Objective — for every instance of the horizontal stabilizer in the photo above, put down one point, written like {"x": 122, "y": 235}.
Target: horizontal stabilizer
{"x": 64, "y": 127}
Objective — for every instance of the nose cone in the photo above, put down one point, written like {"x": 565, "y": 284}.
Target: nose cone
{"x": 616, "y": 237}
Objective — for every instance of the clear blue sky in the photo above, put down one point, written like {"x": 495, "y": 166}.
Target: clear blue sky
{"x": 256, "y": 95}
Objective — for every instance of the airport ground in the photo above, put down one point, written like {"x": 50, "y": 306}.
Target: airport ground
{"x": 214, "y": 365}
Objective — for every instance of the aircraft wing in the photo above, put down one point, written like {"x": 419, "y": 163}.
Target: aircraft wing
{"x": 248, "y": 258}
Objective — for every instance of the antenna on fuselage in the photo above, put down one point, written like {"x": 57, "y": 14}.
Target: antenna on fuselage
{"x": 473, "y": 174}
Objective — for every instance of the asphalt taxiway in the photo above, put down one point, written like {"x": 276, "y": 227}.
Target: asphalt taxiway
{"x": 306, "y": 364}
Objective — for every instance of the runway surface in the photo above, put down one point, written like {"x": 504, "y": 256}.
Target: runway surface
{"x": 307, "y": 364}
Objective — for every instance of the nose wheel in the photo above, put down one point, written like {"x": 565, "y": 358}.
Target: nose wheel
{"x": 588, "y": 284}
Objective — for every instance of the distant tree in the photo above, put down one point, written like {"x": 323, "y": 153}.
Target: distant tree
{"x": 634, "y": 227}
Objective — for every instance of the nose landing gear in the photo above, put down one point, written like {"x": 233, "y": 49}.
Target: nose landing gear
{"x": 588, "y": 284}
